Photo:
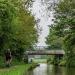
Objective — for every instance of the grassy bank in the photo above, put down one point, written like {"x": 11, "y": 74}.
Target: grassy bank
{"x": 17, "y": 67}
{"x": 40, "y": 60}
{"x": 13, "y": 63}
{"x": 15, "y": 70}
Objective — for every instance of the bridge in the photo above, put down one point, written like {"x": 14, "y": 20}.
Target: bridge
{"x": 29, "y": 55}
{"x": 46, "y": 52}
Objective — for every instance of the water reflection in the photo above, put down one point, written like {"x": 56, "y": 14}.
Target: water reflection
{"x": 70, "y": 71}
{"x": 45, "y": 69}
{"x": 41, "y": 70}
{"x": 55, "y": 70}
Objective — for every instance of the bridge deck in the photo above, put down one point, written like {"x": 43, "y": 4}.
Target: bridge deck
{"x": 46, "y": 52}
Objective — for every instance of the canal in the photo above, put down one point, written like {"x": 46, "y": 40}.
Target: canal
{"x": 45, "y": 69}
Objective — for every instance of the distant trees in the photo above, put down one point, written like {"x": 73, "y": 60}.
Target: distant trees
{"x": 53, "y": 40}
{"x": 17, "y": 27}
{"x": 62, "y": 32}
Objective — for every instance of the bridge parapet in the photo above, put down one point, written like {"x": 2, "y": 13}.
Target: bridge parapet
{"x": 46, "y": 52}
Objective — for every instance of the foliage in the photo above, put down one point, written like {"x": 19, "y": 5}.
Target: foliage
{"x": 17, "y": 27}
{"x": 54, "y": 41}
{"x": 64, "y": 27}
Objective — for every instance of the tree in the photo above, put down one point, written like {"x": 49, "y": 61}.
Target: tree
{"x": 6, "y": 17}
{"x": 64, "y": 27}
{"x": 17, "y": 27}
{"x": 54, "y": 41}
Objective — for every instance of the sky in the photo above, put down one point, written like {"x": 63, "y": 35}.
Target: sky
{"x": 40, "y": 10}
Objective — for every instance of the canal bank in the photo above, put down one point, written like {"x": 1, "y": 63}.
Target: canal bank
{"x": 17, "y": 70}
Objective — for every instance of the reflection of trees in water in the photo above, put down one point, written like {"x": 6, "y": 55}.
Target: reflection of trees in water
{"x": 55, "y": 70}
{"x": 70, "y": 71}
{"x": 58, "y": 70}
{"x": 63, "y": 71}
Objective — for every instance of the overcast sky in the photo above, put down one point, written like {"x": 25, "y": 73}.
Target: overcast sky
{"x": 41, "y": 11}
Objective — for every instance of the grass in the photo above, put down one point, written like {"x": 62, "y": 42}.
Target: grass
{"x": 13, "y": 63}
{"x": 17, "y": 67}
{"x": 40, "y": 60}
{"x": 16, "y": 70}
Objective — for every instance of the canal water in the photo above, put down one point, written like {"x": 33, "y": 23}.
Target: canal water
{"x": 45, "y": 69}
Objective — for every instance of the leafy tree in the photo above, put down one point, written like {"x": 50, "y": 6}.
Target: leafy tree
{"x": 54, "y": 41}
{"x": 6, "y": 17}
{"x": 17, "y": 27}
{"x": 64, "y": 27}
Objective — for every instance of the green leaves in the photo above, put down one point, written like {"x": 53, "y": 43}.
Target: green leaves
{"x": 64, "y": 27}
{"x": 17, "y": 30}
